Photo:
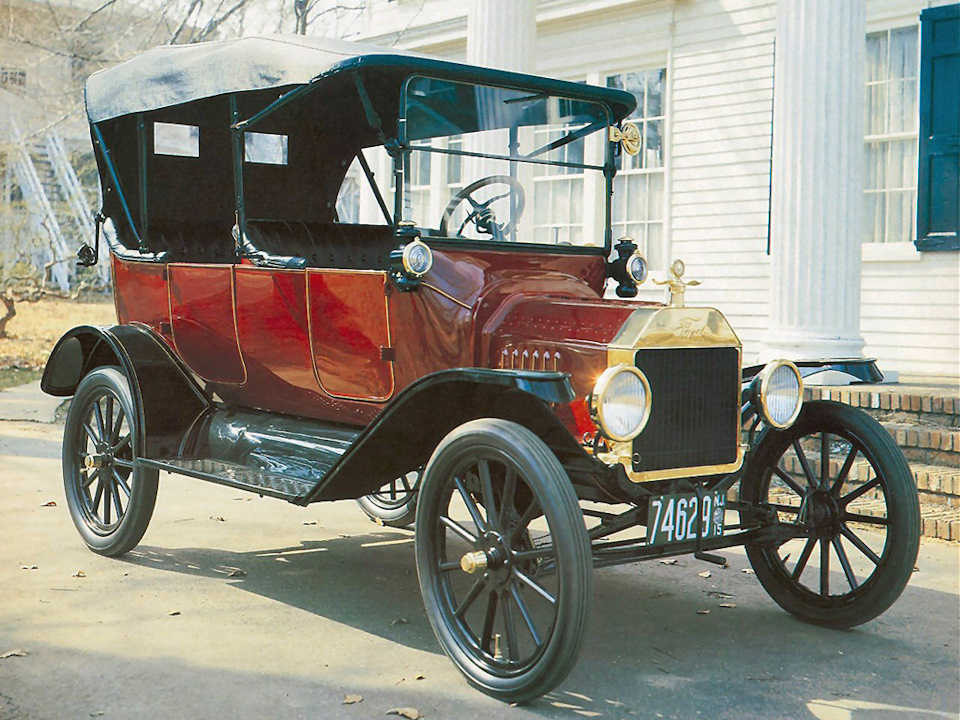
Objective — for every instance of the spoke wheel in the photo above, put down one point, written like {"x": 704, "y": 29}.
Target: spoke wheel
{"x": 839, "y": 476}
{"x": 504, "y": 559}
{"x": 110, "y": 500}
{"x": 395, "y": 504}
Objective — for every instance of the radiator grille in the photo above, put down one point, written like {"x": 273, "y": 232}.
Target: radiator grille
{"x": 695, "y": 414}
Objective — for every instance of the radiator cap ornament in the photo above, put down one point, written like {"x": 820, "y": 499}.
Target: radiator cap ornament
{"x": 676, "y": 286}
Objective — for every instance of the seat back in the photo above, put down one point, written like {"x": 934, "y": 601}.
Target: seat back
{"x": 326, "y": 245}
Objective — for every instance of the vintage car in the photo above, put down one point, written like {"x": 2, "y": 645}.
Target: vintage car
{"x": 306, "y": 312}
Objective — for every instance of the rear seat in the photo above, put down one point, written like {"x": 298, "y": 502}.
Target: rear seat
{"x": 199, "y": 242}
{"x": 329, "y": 245}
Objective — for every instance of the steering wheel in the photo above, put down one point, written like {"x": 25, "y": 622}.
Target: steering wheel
{"x": 481, "y": 214}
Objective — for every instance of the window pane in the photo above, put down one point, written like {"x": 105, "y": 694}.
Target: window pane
{"x": 655, "y": 80}
{"x": 876, "y": 56}
{"x": 173, "y": 139}
{"x": 876, "y": 110}
{"x": 903, "y": 52}
{"x": 265, "y": 148}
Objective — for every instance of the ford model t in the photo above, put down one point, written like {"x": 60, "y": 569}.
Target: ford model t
{"x": 346, "y": 272}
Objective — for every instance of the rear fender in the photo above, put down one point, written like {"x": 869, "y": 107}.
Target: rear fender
{"x": 166, "y": 398}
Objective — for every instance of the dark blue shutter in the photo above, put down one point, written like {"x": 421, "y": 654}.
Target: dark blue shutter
{"x": 938, "y": 190}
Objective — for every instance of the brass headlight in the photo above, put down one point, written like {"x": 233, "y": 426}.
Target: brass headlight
{"x": 779, "y": 393}
{"x": 417, "y": 258}
{"x": 620, "y": 402}
{"x": 637, "y": 267}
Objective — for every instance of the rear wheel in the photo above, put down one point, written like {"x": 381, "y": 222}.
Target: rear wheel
{"x": 110, "y": 500}
{"x": 395, "y": 504}
{"x": 504, "y": 559}
{"x": 838, "y": 475}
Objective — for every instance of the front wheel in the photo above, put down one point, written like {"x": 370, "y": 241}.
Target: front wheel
{"x": 110, "y": 499}
{"x": 503, "y": 559}
{"x": 838, "y": 478}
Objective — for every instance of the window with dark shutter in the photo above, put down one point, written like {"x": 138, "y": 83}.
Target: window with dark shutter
{"x": 938, "y": 191}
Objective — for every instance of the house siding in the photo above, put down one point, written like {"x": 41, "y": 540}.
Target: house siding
{"x": 720, "y": 58}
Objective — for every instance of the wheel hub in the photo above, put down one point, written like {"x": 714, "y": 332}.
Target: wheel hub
{"x": 97, "y": 460}
{"x": 823, "y": 513}
{"x": 491, "y": 556}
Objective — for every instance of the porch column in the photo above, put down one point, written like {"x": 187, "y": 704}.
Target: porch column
{"x": 502, "y": 33}
{"x": 817, "y": 193}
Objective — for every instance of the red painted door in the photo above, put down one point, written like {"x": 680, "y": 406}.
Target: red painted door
{"x": 350, "y": 333}
{"x": 203, "y": 321}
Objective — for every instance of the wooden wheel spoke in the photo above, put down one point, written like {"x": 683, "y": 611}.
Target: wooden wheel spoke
{"x": 121, "y": 483}
{"x": 824, "y": 459}
{"x": 532, "y": 511}
{"x": 535, "y": 554}
{"x": 824, "y": 568}
{"x": 486, "y": 489}
{"x": 90, "y": 478}
{"x": 525, "y": 614}
{"x": 539, "y": 589}
{"x": 862, "y": 490}
{"x": 860, "y": 544}
{"x": 487, "y": 636}
{"x": 406, "y": 485}
{"x": 804, "y": 557}
{"x": 509, "y": 491}
{"x": 789, "y": 481}
{"x": 107, "y": 492}
{"x": 844, "y": 470}
{"x": 121, "y": 444}
{"x": 844, "y": 562}
{"x": 115, "y": 496}
{"x": 513, "y": 646}
{"x": 867, "y": 519}
{"x": 98, "y": 495}
{"x": 123, "y": 462}
{"x": 98, "y": 416}
{"x": 805, "y": 464}
{"x": 458, "y": 529}
{"x": 471, "y": 595}
{"x": 91, "y": 433}
{"x": 471, "y": 505}
{"x": 117, "y": 425}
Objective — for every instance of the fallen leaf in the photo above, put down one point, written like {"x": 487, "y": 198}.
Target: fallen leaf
{"x": 747, "y": 571}
{"x": 378, "y": 521}
{"x": 174, "y": 613}
{"x": 720, "y": 595}
{"x": 13, "y": 653}
{"x": 217, "y": 518}
{"x": 419, "y": 677}
{"x": 728, "y": 606}
{"x": 703, "y": 612}
{"x": 52, "y": 503}
{"x": 28, "y": 567}
{"x": 79, "y": 574}
{"x": 407, "y": 712}
{"x": 352, "y": 699}
{"x": 309, "y": 522}
{"x": 344, "y": 535}
{"x": 237, "y": 573}
{"x": 705, "y": 574}
{"x": 399, "y": 621}
{"x": 669, "y": 561}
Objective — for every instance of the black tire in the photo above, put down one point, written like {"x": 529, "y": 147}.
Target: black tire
{"x": 111, "y": 504}
{"x": 395, "y": 504}
{"x": 538, "y": 590}
{"x": 786, "y": 473}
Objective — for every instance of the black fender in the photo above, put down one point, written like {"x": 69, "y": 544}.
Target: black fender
{"x": 166, "y": 406}
{"x": 859, "y": 369}
{"x": 403, "y": 436}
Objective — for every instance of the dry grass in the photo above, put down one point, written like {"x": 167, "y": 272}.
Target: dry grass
{"x": 37, "y": 327}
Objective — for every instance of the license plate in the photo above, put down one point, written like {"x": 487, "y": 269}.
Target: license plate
{"x": 673, "y": 518}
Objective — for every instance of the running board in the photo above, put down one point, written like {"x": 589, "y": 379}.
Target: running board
{"x": 237, "y": 476}
{"x": 275, "y": 455}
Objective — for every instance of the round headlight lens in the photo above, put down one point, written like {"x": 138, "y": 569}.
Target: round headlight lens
{"x": 781, "y": 393}
{"x": 620, "y": 403}
{"x": 417, "y": 258}
{"x": 637, "y": 267}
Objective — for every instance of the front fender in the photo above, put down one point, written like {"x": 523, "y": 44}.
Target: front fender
{"x": 166, "y": 398}
{"x": 405, "y": 433}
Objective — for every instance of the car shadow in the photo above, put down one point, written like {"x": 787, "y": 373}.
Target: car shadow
{"x": 655, "y": 629}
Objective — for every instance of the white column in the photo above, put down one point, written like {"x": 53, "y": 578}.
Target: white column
{"x": 817, "y": 192}
{"x": 502, "y": 33}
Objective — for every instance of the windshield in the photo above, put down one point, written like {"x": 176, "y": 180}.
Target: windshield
{"x": 503, "y": 165}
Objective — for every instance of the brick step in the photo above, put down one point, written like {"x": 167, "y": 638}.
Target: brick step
{"x": 934, "y": 405}
{"x": 926, "y": 444}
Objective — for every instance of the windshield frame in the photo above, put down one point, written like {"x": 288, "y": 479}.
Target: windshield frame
{"x": 402, "y": 159}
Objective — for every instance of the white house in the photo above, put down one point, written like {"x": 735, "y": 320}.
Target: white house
{"x": 779, "y": 160}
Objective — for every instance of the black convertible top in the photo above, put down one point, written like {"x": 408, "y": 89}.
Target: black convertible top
{"x": 176, "y": 74}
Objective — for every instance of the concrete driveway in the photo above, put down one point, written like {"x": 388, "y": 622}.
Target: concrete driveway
{"x": 327, "y": 604}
